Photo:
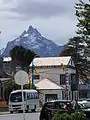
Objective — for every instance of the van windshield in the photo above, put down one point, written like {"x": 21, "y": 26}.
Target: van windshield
{"x": 16, "y": 97}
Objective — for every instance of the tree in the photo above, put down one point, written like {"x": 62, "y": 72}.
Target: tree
{"x": 75, "y": 49}
{"x": 83, "y": 27}
{"x": 79, "y": 47}
{"x": 21, "y": 56}
{"x": 83, "y": 16}
{"x": 10, "y": 85}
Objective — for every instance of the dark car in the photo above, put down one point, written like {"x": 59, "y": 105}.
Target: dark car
{"x": 51, "y": 107}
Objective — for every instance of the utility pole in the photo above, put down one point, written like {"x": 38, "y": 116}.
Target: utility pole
{"x": 3, "y": 92}
{"x": 29, "y": 81}
{"x": 2, "y": 73}
{"x": 32, "y": 74}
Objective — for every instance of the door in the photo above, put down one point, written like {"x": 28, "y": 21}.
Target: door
{"x": 49, "y": 97}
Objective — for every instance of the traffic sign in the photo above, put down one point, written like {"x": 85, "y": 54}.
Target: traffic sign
{"x": 21, "y": 77}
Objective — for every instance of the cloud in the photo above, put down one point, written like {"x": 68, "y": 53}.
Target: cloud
{"x": 29, "y": 9}
{"x": 6, "y": 1}
{"x": 54, "y": 19}
{"x": 58, "y": 29}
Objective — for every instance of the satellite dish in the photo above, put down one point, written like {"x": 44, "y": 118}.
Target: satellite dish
{"x": 21, "y": 77}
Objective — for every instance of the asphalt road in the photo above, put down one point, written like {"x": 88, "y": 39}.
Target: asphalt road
{"x": 19, "y": 116}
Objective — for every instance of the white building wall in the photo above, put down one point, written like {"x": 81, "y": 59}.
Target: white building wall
{"x": 52, "y": 73}
{"x": 59, "y": 94}
{"x": 43, "y": 92}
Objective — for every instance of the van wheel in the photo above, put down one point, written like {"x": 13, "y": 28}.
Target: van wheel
{"x": 34, "y": 110}
{"x": 27, "y": 109}
{"x": 11, "y": 112}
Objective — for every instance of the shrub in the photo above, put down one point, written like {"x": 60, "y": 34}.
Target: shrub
{"x": 66, "y": 116}
{"x": 78, "y": 116}
{"x": 63, "y": 116}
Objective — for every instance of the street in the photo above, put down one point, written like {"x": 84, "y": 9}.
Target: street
{"x": 19, "y": 116}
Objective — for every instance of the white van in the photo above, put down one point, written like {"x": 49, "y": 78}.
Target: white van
{"x": 31, "y": 100}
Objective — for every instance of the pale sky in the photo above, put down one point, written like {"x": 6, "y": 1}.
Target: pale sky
{"x": 54, "y": 19}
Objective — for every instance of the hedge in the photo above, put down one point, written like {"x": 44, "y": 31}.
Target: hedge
{"x": 67, "y": 116}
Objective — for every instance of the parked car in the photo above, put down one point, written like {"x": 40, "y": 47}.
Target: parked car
{"x": 51, "y": 107}
{"x": 82, "y": 107}
{"x": 86, "y": 102}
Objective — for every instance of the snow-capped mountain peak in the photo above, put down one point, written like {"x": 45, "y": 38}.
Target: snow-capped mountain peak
{"x": 33, "y": 40}
{"x": 33, "y": 30}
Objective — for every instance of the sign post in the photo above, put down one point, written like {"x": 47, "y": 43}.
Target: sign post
{"x": 67, "y": 83}
{"x": 21, "y": 78}
{"x": 65, "y": 69}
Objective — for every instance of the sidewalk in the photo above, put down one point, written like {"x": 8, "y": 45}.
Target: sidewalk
{"x": 3, "y": 106}
{"x": 3, "y": 113}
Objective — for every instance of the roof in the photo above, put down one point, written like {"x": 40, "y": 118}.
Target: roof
{"x": 51, "y": 61}
{"x": 7, "y": 59}
{"x": 25, "y": 90}
{"x": 83, "y": 87}
{"x": 47, "y": 84}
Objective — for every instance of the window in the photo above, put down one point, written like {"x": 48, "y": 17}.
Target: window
{"x": 36, "y": 77}
{"x": 62, "y": 79}
{"x": 63, "y": 94}
{"x": 49, "y": 97}
{"x": 17, "y": 97}
{"x": 32, "y": 96}
{"x": 73, "y": 78}
{"x": 74, "y": 82}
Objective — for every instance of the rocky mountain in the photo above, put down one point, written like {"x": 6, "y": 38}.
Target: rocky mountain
{"x": 33, "y": 40}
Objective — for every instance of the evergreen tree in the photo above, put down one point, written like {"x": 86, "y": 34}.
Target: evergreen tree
{"x": 79, "y": 47}
{"x": 83, "y": 25}
{"x": 83, "y": 16}
{"x": 75, "y": 49}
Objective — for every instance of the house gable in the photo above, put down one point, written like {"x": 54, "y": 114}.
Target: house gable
{"x": 71, "y": 63}
{"x": 52, "y": 62}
